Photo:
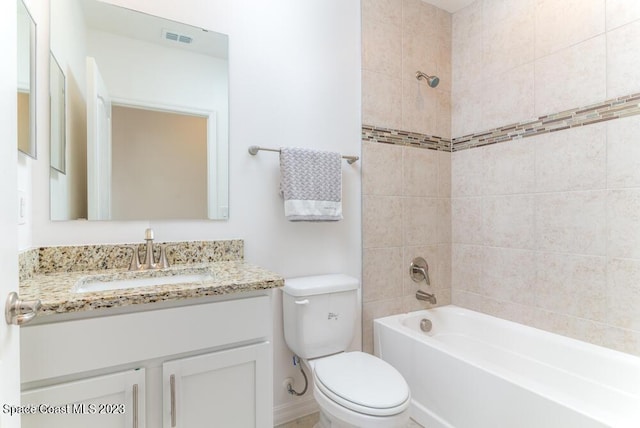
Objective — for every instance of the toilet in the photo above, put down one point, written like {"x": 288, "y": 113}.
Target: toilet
{"x": 352, "y": 389}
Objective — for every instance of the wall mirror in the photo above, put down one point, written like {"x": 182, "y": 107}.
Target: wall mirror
{"x": 147, "y": 115}
{"x": 58, "y": 119}
{"x": 26, "y": 36}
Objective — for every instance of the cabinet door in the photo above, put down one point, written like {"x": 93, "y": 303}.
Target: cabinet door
{"x": 111, "y": 401}
{"x": 228, "y": 389}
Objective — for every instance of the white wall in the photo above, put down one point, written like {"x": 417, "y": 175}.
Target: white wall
{"x": 294, "y": 81}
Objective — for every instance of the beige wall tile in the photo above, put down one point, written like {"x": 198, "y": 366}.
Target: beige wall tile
{"x": 381, "y": 221}
{"x": 443, "y": 113}
{"x": 444, "y": 174}
{"x": 508, "y": 43}
{"x": 467, "y": 173}
{"x": 624, "y": 223}
{"x": 382, "y": 273}
{"x": 418, "y": 107}
{"x": 443, "y": 226}
{"x": 381, "y": 100}
{"x": 508, "y": 221}
{"x": 623, "y": 152}
{"x": 466, "y": 109}
{"x": 509, "y": 167}
{"x": 623, "y": 290}
{"x": 466, "y": 221}
{"x": 572, "y": 222}
{"x": 381, "y": 169}
{"x": 420, "y": 172}
{"x": 572, "y": 77}
{"x": 509, "y": 97}
{"x": 382, "y": 10}
{"x": 563, "y": 23}
{"x": 620, "y": 12}
{"x": 420, "y": 221}
{"x": 496, "y": 11}
{"x": 572, "y": 284}
{"x": 382, "y": 47}
{"x": 467, "y": 262}
{"x": 510, "y": 274}
{"x": 623, "y": 60}
{"x": 574, "y": 159}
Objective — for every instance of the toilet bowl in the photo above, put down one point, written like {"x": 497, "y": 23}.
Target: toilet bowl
{"x": 352, "y": 389}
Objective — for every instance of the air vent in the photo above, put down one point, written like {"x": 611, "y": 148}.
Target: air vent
{"x": 174, "y": 36}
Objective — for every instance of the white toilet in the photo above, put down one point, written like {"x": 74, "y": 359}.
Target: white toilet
{"x": 353, "y": 389}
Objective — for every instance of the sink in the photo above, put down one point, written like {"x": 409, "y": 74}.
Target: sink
{"x": 102, "y": 283}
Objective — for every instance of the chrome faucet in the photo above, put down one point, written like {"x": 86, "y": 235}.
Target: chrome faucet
{"x": 419, "y": 271}
{"x": 149, "y": 262}
{"x": 423, "y": 295}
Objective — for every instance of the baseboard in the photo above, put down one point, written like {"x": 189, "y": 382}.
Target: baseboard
{"x": 292, "y": 411}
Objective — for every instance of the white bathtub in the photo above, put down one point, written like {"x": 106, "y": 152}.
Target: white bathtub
{"x": 474, "y": 371}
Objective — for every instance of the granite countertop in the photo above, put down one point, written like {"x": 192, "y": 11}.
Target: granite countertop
{"x": 57, "y": 295}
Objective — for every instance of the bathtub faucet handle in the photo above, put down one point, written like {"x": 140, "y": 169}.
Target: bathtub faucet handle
{"x": 419, "y": 270}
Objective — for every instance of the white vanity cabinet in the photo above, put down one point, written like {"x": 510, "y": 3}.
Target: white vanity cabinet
{"x": 111, "y": 401}
{"x": 203, "y": 365}
{"x": 227, "y": 389}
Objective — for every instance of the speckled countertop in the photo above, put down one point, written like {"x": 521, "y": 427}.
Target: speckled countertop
{"x": 54, "y": 274}
{"x": 57, "y": 294}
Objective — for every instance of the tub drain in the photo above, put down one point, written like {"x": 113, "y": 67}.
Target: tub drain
{"x": 425, "y": 325}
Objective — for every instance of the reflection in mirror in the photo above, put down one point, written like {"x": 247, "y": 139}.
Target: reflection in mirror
{"x": 147, "y": 116}
{"x": 26, "y": 29}
{"x": 58, "y": 121}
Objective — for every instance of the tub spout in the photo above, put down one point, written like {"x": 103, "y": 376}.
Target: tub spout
{"x": 423, "y": 295}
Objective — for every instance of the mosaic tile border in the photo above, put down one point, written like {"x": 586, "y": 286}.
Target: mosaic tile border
{"x": 615, "y": 108}
{"x": 374, "y": 134}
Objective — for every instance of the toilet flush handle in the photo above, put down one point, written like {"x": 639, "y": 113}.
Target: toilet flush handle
{"x": 302, "y": 302}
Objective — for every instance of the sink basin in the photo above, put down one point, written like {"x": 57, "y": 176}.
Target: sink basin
{"x": 89, "y": 285}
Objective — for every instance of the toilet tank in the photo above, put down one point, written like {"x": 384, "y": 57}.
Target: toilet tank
{"x": 320, "y": 314}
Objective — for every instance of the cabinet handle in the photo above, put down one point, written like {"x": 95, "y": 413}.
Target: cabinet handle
{"x": 301, "y": 302}
{"x": 172, "y": 383}
{"x": 135, "y": 405}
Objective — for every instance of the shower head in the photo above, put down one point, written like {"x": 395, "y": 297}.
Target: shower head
{"x": 431, "y": 80}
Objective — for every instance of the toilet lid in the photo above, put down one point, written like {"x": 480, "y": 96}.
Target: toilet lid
{"x": 362, "y": 383}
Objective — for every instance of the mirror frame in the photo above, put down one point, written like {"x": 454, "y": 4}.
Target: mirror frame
{"x": 58, "y": 106}
{"x": 32, "y": 150}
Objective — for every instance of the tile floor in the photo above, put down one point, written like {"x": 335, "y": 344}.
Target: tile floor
{"x": 309, "y": 420}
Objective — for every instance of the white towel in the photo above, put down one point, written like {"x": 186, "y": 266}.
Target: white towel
{"x": 311, "y": 184}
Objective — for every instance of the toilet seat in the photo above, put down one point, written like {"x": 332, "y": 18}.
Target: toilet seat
{"x": 362, "y": 383}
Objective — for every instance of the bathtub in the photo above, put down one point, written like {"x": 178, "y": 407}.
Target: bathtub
{"x": 473, "y": 371}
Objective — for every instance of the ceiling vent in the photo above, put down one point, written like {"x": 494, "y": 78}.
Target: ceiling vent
{"x": 174, "y": 36}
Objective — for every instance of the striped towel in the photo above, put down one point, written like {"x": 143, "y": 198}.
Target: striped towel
{"x": 311, "y": 184}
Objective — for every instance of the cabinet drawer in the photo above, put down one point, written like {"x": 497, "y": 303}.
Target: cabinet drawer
{"x": 60, "y": 349}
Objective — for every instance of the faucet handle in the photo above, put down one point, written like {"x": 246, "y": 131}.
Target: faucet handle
{"x": 164, "y": 262}
{"x": 419, "y": 270}
{"x": 148, "y": 234}
{"x": 134, "y": 264}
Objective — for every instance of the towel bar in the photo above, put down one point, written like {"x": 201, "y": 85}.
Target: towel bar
{"x": 253, "y": 150}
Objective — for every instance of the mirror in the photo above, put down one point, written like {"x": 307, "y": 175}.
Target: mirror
{"x": 58, "y": 118}
{"x": 26, "y": 36}
{"x": 146, "y": 116}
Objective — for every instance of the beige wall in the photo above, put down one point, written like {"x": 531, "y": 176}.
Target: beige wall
{"x": 160, "y": 165}
{"x": 406, "y": 190}
{"x": 546, "y": 229}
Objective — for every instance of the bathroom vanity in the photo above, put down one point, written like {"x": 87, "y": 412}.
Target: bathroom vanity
{"x": 179, "y": 355}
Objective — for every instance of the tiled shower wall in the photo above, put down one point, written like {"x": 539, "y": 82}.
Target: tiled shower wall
{"x": 546, "y": 229}
{"x": 406, "y": 190}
